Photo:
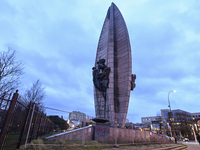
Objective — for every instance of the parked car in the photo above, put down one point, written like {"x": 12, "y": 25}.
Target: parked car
{"x": 168, "y": 137}
{"x": 172, "y": 138}
{"x": 186, "y": 139}
{"x": 181, "y": 138}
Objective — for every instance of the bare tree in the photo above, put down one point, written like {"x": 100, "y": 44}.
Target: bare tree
{"x": 10, "y": 72}
{"x": 35, "y": 94}
{"x": 158, "y": 114}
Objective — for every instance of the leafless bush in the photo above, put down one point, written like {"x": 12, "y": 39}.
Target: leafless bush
{"x": 10, "y": 72}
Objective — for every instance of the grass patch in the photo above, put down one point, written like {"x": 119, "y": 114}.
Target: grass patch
{"x": 63, "y": 145}
{"x": 43, "y": 144}
{"x": 89, "y": 145}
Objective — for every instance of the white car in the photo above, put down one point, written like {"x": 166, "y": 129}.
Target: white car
{"x": 186, "y": 139}
{"x": 182, "y": 138}
{"x": 172, "y": 138}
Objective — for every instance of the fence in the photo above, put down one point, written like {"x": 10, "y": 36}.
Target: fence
{"x": 15, "y": 118}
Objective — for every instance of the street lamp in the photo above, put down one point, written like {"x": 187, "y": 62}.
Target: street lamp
{"x": 169, "y": 101}
{"x": 170, "y": 114}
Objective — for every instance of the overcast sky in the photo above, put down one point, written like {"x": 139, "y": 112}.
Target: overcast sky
{"x": 57, "y": 41}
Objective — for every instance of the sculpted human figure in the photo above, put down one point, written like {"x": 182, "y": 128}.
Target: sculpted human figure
{"x": 101, "y": 76}
{"x": 133, "y": 85}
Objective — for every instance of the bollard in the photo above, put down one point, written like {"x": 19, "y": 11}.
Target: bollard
{"x": 116, "y": 134}
{"x": 133, "y": 133}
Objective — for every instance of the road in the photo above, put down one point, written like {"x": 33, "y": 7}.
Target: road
{"x": 192, "y": 145}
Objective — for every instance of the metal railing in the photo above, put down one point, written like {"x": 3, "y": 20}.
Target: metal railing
{"x": 15, "y": 122}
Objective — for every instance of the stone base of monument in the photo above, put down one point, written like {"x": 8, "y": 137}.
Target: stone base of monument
{"x": 101, "y": 129}
{"x": 100, "y": 120}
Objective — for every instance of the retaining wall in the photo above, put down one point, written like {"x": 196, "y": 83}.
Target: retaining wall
{"x": 123, "y": 135}
{"x": 131, "y": 136}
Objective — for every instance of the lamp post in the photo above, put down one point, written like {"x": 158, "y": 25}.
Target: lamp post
{"x": 169, "y": 101}
{"x": 170, "y": 114}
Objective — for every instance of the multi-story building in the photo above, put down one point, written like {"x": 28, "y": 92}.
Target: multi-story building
{"x": 177, "y": 116}
{"x": 177, "y": 122}
{"x": 153, "y": 123}
{"x": 196, "y": 115}
{"x": 180, "y": 122}
{"x": 75, "y": 119}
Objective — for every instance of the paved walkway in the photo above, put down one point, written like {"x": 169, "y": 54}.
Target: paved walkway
{"x": 153, "y": 147}
{"x": 184, "y": 146}
{"x": 192, "y": 146}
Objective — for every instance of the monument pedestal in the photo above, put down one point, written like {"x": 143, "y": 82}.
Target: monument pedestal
{"x": 100, "y": 120}
{"x": 101, "y": 129}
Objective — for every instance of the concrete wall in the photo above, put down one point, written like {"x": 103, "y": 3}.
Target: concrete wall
{"x": 123, "y": 136}
{"x": 130, "y": 136}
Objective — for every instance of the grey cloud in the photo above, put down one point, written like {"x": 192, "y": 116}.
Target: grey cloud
{"x": 58, "y": 40}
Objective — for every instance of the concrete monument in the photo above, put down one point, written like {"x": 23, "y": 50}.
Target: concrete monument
{"x": 112, "y": 74}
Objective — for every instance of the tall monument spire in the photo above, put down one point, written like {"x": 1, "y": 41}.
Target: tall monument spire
{"x": 112, "y": 74}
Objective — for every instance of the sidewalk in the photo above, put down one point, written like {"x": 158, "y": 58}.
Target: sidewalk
{"x": 154, "y": 147}
{"x": 192, "y": 146}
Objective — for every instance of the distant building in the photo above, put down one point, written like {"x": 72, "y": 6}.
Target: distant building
{"x": 152, "y": 123}
{"x": 196, "y": 115}
{"x": 176, "y": 122}
{"x": 178, "y": 115}
{"x": 77, "y": 115}
{"x": 75, "y": 119}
